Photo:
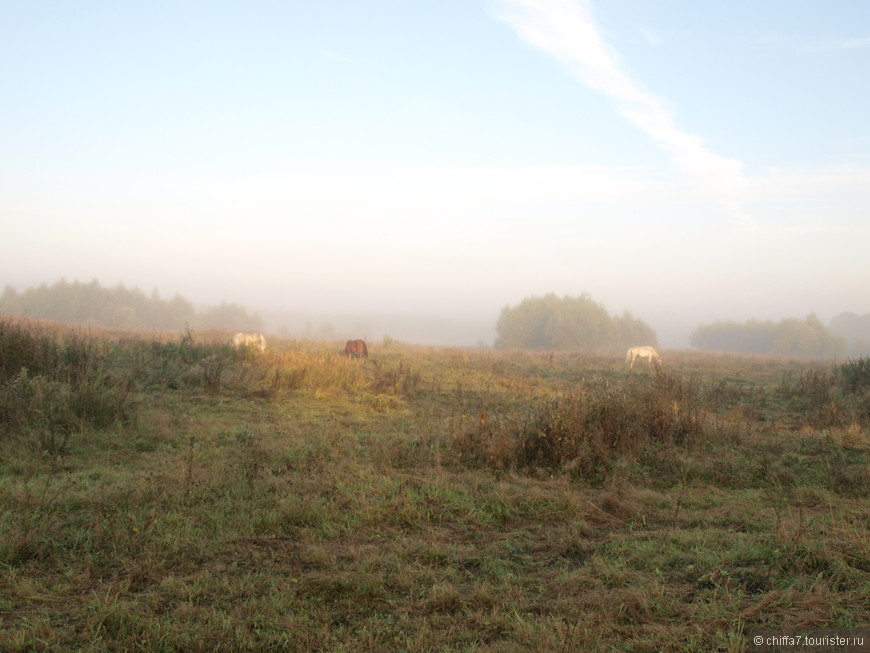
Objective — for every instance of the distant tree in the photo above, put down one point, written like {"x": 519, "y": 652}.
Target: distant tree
{"x": 580, "y": 323}
{"x": 633, "y": 331}
{"x": 751, "y": 337}
{"x": 856, "y": 331}
{"x": 529, "y": 323}
{"x": 552, "y": 322}
{"x": 10, "y": 302}
{"x": 231, "y": 316}
{"x": 807, "y": 338}
{"x": 175, "y": 313}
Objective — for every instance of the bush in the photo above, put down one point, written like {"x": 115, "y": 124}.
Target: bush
{"x": 585, "y": 432}
{"x": 834, "y": 397}
{"x": 34, "y": 404}
{"x": 27, "y": 347}
{"x": 54, "y": 384}
{"x": 854, "y": 375}
{"x": 185, "y": 363}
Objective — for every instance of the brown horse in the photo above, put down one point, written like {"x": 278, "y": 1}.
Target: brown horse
{"x": 356, "y": 349}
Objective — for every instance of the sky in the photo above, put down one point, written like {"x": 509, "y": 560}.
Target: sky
{"x": 685, "y": 161}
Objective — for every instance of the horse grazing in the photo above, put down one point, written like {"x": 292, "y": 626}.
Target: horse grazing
{"x": 254, "y": 340}
{"x": 356, "y": 349}
{"x": 649, "y": 353}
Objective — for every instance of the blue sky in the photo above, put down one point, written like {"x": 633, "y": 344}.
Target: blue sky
{"x": 683, "y": 160}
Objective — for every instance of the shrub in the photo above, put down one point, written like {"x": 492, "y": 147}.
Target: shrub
{"x": 53, "y": 384}
{"x": 26, "y": 346}
{"x": 854, "y": 375}
{"x": 586, "y": 431}
{"x": 34, "y": 404}
{"x": 401, "y": 381}
{"x": 183, "y": 363}
{"x": 830, "y": 398}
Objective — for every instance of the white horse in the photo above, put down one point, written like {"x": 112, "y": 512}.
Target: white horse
{"x": 255, "y": 340}
{"x": 649, "y": 353}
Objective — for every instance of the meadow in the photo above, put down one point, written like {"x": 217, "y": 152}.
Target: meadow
{"x": 169, "y": 493}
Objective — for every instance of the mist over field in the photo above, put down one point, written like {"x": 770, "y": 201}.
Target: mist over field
{"x": 347, "y": 173}
{"x": 538, "y": 322}
{"x": 377, "y": 317}
{"x": 421, "y": 329}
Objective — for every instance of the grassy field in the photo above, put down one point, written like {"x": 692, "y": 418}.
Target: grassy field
{"x": 172, "y": 494}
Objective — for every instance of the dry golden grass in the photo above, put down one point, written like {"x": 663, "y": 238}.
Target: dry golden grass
{"x": 432, "y": 500}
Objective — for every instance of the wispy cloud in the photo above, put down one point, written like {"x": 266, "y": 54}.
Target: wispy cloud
{"x": 567, "y": 31}
{"x": 856, "y": 43}
{"x": 651, "y": 37}
{"x": 844, "y": 44}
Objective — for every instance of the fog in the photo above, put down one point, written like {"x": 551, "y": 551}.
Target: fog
{"x": 347, "y": 174}
{"x": 473, "y": 324}
{"x": 415, "y": 329}
{"x": 467, "y": 317}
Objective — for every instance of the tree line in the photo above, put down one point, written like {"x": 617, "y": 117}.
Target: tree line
{"x": 807, "y": 338}
{"x": 562, "y": 323}
{"x": 547, "y": 322}
{"x": 120, "y": 307}
{"x": 856, "y": 331}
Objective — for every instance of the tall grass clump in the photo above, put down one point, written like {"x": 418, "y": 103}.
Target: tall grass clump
{"x": 833, "y": 397}
{"x": 854, "y": 375}
{"x": 854, "y": 379}
{"x": 175, "y": 364}
{"x": 586, "y": 431}
{"x": 27, "y": 346}
{"x": 54, "y": 384}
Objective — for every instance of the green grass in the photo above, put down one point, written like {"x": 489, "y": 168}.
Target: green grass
{"x": 427, "y": 500}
